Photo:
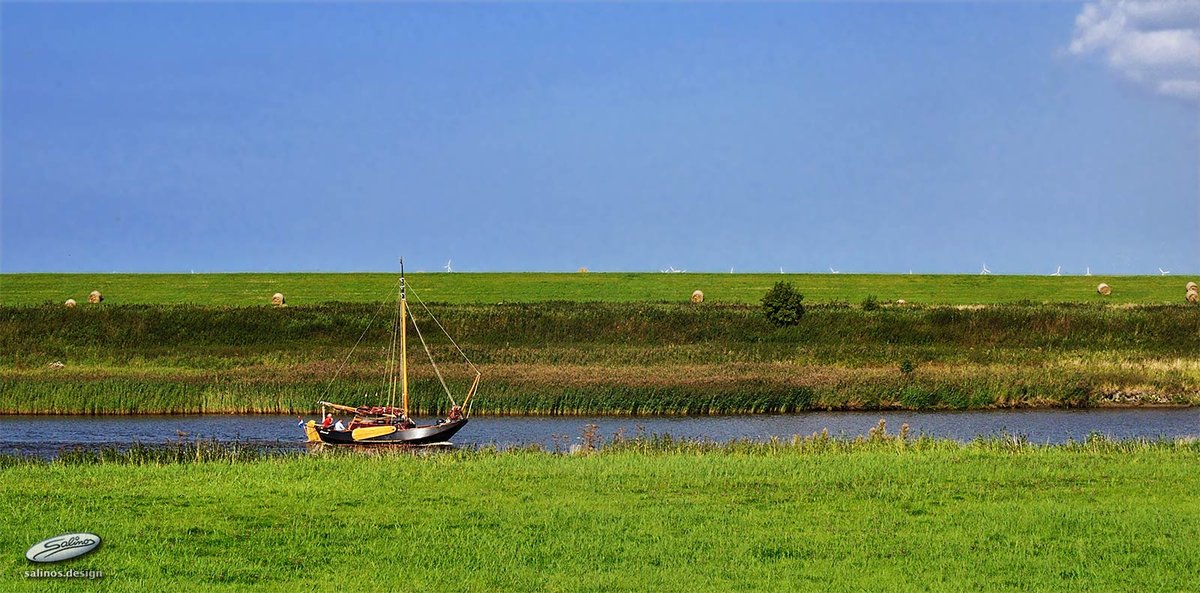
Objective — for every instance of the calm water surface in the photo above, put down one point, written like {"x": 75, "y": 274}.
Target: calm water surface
{"x": 46, "y": 435}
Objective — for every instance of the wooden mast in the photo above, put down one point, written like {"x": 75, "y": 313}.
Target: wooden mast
{"x": 403, "y": 344}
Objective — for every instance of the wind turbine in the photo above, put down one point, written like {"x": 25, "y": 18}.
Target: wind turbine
{"x": 780, "y": 269}
{"x": 447, "y": 266}
{"x": 1162, "y": 272}
{"x": 833, "y": 271}
{"x": 985, "y": 271}
{"x": 1057, "y": 272}
{"x": 1088, "y": 271}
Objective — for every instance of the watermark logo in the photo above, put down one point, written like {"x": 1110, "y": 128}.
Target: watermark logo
{"x": 63, "y": 547}
{"x": 64, "y": 574}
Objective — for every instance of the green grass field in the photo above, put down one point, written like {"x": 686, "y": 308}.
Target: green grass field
{"x": 877, "y": 515}
{"x": 303, "y": 289}
{"x": 600, "y": 358}
{"x": 557, "y": 346}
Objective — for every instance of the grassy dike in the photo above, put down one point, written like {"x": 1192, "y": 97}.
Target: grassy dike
{"x": 246, "y": 289}
{"x": 598, "y": 358}
{"x": 815, "y": 514}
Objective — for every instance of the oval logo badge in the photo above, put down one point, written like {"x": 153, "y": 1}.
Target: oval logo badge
{"x": 63, "y": 547}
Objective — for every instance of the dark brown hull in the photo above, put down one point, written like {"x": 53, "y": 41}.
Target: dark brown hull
{"x": 417, "y": 435}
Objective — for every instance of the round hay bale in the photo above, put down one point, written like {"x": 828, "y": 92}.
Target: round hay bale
{"x": 1192, "y": 296}
{"x": 1192, "y": 286}
{"x": 95, "y": 297}
{"x": 697, "y": 297}
{"x": 901, "y": 302}
{"x": 70, "y": 303}
{"x": 278, "y": 300}
{"x": 1104, "y": 289}
{"x": 583, "y": 270}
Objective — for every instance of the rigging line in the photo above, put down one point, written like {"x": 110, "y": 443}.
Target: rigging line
{"x": 437, "y": 371}
{"x": 439, "y": 324}
{"x": 351, "y": 353}
{"x": 387, "y": 365}
{"x": 392, "y": 347}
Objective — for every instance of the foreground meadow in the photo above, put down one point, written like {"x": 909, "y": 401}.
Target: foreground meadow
{"x": 883, "y": 514}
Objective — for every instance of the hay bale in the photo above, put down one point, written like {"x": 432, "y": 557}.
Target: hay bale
{"x": 278, "y": 300}
{"x": 697, "y": 297}
{"x": 1192, "y": 296}
{"x": 70, "y": 303}
{"x": 901, "y": 302}
{"x": 1191, "y": 286}
{"x": 1104, "y": 289}
{"x": 583, "y": 270}
{"x": 95, "y": 297}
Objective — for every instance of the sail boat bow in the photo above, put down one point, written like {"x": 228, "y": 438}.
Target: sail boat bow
{"x": 390, "y": 424}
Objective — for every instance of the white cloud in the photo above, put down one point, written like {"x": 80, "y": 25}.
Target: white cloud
{"x": 1184, "y": 89}
{"x": 1155, "y": 43}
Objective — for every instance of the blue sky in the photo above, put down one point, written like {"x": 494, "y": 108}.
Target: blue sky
{"x": 932, "y": 137}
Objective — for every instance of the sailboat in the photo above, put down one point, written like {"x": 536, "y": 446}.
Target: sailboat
{"x": 390, "y": 424}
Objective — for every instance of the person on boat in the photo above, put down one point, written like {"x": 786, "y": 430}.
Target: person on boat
{"x": 328, "y": 421}
{"x": 339, "y": 426}
{"x": 455, "y": 414}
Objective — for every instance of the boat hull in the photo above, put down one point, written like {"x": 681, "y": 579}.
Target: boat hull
{"x": 417, "y": 435}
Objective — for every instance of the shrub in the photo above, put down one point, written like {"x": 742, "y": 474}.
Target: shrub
{"x": 782, "y": 304}
{"x": 870, "y": 304}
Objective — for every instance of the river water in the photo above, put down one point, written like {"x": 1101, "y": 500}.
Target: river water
{"x": 44, "y": 436}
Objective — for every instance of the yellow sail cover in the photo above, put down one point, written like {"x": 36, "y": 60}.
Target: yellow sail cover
{"x": 370, "y": 432}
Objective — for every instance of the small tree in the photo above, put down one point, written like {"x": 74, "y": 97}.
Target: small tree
{"x": 782, "y": 304}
